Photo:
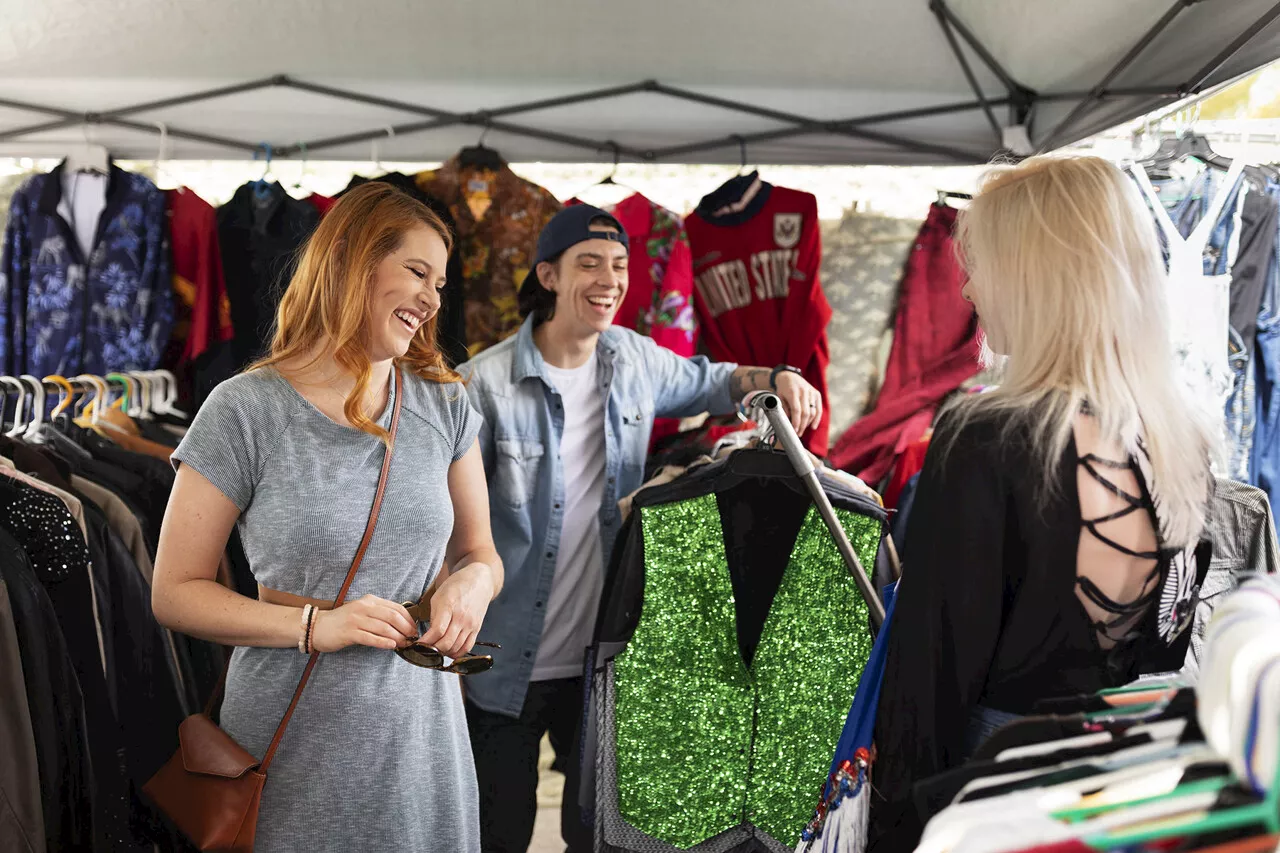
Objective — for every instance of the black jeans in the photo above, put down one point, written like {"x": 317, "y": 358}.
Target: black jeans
{"x": 506, "y": 756}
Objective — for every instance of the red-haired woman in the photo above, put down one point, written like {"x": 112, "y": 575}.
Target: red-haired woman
{"x": 376, "y": 756}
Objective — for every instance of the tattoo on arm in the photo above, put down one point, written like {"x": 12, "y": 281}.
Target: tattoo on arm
{"x": 748, "y": 379}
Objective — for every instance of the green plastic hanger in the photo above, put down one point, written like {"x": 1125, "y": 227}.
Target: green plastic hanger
{"x": 123, "y": 380}
{"x": 1265, "y": 814}
{"x": 1201, "y": 786}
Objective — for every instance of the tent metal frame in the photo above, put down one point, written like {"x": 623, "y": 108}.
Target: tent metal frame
{"x": 1019, "y": 99}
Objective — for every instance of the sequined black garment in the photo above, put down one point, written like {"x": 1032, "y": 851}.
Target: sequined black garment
{"x": 59, "y": 557}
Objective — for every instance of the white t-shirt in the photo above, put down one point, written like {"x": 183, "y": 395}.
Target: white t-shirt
{"x": 579, "y": 581}
{"x": 84, "y": 197}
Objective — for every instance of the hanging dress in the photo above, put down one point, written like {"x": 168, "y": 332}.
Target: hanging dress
{"x": 1199, "y": 303}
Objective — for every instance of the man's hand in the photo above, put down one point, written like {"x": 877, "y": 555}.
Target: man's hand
{"x": 801, "y": 400}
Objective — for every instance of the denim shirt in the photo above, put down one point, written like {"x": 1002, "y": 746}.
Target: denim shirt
{"x": 520, "y": 441}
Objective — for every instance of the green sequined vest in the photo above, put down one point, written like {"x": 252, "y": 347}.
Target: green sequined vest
{"x": 705, "y": 743}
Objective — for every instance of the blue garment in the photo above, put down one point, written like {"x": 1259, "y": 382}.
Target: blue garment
{"x": 1241, "y": 414}
{"x": 61, "y": 313}
{"x": 1265, "y": 464}
{"x": 898, "y": 530}
{"x": 983, "y": 723}
{"x": 857, "y": 735}
{"x": 520, "y": 442}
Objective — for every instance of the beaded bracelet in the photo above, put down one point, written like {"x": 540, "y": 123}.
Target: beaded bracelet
{"x": 304, "y": 640}
{"x": 311, "y": 626}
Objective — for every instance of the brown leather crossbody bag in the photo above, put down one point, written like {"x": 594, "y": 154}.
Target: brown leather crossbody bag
{"x": 212, "y": 787}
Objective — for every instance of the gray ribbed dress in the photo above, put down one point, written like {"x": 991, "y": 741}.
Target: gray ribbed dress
{"x": 377, "y": 755}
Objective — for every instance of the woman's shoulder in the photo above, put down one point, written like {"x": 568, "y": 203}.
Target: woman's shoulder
{"x": 260, "y": 397}
{"x": 433, "y": 398}
{"x": 986, "y": 433}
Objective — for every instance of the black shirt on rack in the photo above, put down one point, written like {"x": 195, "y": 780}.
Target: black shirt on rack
{"x": 57, "y": 707}
{"x": 259, "y": 232}
{"x": 452, "y": 329}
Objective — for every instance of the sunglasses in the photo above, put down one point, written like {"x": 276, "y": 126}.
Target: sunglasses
{"x": 429, "y": 657}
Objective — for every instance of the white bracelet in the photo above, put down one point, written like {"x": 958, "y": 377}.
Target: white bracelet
{"x": 306, "y": 620}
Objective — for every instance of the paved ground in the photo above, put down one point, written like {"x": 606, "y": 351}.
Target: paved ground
{"x": 546, "y": 832}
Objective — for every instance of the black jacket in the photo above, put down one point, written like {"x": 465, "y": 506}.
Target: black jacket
{"x": 58, "y": 721}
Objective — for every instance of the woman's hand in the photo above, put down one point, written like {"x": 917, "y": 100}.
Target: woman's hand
{"x": 458, "y": 608}
{"x": 367, "y": 621}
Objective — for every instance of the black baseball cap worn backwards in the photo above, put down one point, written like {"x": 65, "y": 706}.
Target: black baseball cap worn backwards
{"x": 567, "y": 229}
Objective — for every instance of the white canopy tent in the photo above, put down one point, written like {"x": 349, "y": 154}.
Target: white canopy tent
{"x": 800, "y": 82}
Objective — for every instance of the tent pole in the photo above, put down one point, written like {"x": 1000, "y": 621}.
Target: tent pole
{"x": 783, "y": 133}
{"x": 945, "y": 24}
{"x": 940, "y": 8}
{"x": 803, "y": 124}
{"x": 1202, "y": 76}
{"x": 444, "y": 118}
{"x": 1142, "y": 92}
{"x": 1096, "y": 93}
{"x": 71, "y": 120}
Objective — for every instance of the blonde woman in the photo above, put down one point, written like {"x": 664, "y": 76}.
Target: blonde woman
{"x": 1055, "y": 545}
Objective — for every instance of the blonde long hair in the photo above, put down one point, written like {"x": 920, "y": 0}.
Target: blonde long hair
{"x": 327, "y": 303}
{"x": 1063, "y": 257}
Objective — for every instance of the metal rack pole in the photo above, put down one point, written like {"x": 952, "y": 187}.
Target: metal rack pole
{"x": 771, "y": 406}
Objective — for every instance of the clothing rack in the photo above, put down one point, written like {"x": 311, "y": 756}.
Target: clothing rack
{"x": 766, "y": 408}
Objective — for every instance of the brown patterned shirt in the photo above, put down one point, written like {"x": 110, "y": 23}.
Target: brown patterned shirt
{"x": 499, "y": 215}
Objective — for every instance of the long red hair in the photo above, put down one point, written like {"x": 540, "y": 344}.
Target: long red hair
{"x": 328, "y": 302}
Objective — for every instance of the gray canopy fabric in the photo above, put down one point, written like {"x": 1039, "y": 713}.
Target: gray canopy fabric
{"x": 771, "y": 81}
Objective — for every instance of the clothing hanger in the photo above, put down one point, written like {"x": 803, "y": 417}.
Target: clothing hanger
{"x": 742, "y": 154}
{"x": 18, "y": 424}
{"x": 479, "y": 157}
{"x": 302, "y": 170}
{"x": 91, "y": 416}
{"x": 376, "y": 155}
{"x": 88, "y": 157}
{"x": 168, "y": 394}
{"x": 262, "y": 186}
{"x": 1265, "y": 813}
{"x": 609, "y": 180}
{"x": 1185, "y": 143}
{"x": 131, "y": 403}
{"x": 144, "y": 395}
{"x": 66, "y": 393}
{"x": 37, "y": 410}
{"x": 84, "y": 393}
{"x": 945, "y": 195}
{"x": 123, "y": 403}
{"x": 157, "y": 166}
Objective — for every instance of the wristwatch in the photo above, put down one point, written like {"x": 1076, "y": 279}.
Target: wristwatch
{"x": 773, "y": 376}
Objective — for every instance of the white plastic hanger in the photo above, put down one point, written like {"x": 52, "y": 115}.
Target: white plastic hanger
{"x": 18, "y": 424}
{"x": 33, "y": 429}
{"x": 144, "y": 395}
{"x": 168, "y": 394}
{"x": 88, "y": 157}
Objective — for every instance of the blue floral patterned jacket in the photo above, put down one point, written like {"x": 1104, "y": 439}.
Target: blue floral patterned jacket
{"x": 65, "y": 314}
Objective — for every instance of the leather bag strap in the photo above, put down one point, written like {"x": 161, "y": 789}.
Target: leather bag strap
{"x": 351, "y": 576}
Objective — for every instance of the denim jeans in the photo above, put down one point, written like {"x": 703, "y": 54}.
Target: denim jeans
{"x": 1264, "y": 470}
{"x": 983, "y": 723}
{"x": 1241, "y": 414}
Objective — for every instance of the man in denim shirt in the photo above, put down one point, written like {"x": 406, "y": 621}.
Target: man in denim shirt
{"x": 568, "y": 405}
